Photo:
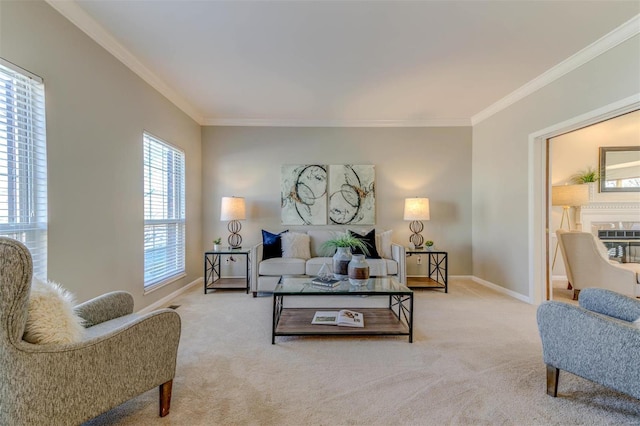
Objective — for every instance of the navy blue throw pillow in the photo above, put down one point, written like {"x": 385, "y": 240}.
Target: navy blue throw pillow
{"x": 271, "y": 245}
{"x": 370, "y": 241}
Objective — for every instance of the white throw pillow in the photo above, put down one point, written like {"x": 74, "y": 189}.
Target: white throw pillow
{"x": 295, "y": 245}
{"x": 51, "y": 318}
{"x": 383, "y": 244}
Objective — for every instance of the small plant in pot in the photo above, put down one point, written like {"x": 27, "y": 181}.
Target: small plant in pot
{"x": 585, "y": 176}
{"x": 216, "y": 243}
{"x": 428, "y": 245}
{"x": 342, "y": 246}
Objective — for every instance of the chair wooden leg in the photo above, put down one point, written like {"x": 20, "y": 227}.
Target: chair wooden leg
{"x": 553, "y": 374}
{"x": 576, "y": 294}
{"x": 165, "y": 398}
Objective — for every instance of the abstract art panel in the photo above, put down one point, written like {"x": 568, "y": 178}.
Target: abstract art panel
{"x": 303, "y": 194}
{"x": 352, "y": 198}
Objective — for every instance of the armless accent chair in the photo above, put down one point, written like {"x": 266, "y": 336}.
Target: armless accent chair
{"x": 596, "y": 340}
{"x": 587, "y": 264}
{"x": 122, "y": 354}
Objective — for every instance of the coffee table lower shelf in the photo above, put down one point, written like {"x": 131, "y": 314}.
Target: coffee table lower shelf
{"x": 377, "y": 321}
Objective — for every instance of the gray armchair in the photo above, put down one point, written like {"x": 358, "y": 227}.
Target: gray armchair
{"x": 122, "y": 355}
{"x": 596, "y": 340}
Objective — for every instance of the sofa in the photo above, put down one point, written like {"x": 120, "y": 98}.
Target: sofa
{"x": 302, "y": 254}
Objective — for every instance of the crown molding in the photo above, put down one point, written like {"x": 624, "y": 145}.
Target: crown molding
{"x": 257, "y": 122}
{"x": 619, "y": 35}
{"x": 78, "y": 17}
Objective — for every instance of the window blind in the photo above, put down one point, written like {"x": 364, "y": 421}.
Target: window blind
{"x": 23, "y": 162}
{"x": 164, "y": 211}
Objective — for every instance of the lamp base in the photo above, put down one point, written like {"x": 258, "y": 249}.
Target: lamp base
{"x": 235, "y": 240}
{"x": 416, "y": 239}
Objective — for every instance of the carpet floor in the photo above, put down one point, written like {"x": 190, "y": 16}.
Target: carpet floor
{"x": 475, "y": 360}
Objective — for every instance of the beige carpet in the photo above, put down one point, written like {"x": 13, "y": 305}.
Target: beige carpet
{"x": 476, "y": 359}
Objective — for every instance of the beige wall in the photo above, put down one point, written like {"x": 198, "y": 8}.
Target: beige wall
{"x": 96, "y": 111}
{"x": 431, "y": 162}
{"x": 503, "y": 209}
{"x": 575, "y": 151}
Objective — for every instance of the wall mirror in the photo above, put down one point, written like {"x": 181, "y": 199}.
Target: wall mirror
{"x": 620, "y": 169}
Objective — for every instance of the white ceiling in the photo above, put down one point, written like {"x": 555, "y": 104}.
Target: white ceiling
{"x": 343, "y": 62}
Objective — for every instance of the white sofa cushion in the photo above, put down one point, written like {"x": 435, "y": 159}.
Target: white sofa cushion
{"x": 295, "y": 245}
{"x": 377, "y": 267}
{"x": 392, "y": 266}
{"x": 315, "y": 263}
{"x": 282, "y": 266}
{"x": 383, "y": 244}
{"x": 318, "y": 238}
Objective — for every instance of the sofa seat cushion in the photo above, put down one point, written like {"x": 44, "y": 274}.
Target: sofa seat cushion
{"x": 315, "y": 263}
{"x": 392, "y": 267}
{"x": 377, "y": 267}
{"x": 282, "y": 266}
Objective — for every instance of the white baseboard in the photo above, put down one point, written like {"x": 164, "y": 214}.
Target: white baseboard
{"x": 502, "y": 290}
{"x": 165, "y": 300}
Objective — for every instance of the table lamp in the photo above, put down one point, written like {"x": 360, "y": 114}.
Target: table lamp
{"x": 568, "y": 196}
{"x": 416, "y": 210}
{"x": 234, "y": 210}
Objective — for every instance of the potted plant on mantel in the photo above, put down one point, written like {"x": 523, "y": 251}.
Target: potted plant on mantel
{"x": 343, "y": 245}
{"x": 216, "y": 243}
{"x": 428, "y": 245}
{"x": 589, "y": 175}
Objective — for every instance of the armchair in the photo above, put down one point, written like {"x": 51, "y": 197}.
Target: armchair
{"x": 121, "y": 355}
{"x": 596, "y": 340}
{"x": 587, "y": 264}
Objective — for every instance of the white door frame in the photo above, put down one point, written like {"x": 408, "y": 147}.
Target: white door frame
{"x": 539, "y": 193}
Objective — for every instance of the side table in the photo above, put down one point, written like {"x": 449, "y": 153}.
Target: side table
{"x": 212, "y": 278}
{"x": 438, "y": 270}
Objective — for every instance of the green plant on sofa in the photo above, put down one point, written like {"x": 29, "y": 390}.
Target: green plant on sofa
{"x": 344, "y": 240}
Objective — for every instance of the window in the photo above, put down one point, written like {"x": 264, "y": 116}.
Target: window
{"x": 164, "y": 224}
{"x": 23, "y": 162}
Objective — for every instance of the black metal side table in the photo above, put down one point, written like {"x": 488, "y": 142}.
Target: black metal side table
{"x": 212, "y": 278}
{"x": 438, "y": 270}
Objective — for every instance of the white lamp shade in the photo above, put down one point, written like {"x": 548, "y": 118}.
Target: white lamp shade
{"x": 570, "y": 195}
{"x": 233, "y": 208}
{"x": 416, "y": 209}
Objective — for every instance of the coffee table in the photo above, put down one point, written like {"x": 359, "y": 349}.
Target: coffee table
{"x": 396, "y": 319}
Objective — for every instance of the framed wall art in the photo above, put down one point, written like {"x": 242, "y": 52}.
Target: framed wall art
{"x": 352, "y": 194}
{"x": 303, "y": 194}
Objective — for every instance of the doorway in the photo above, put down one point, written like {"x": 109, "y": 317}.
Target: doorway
{"x": 540, "y": 227}
{"x": 573, "y": 160}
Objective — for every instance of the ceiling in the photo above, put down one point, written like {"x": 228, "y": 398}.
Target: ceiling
{"x": 343, "y": 63}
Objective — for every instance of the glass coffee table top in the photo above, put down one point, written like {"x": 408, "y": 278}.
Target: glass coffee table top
{"x": 377, "y": 285}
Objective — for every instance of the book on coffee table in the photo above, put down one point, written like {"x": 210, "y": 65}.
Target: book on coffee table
{"x": 344, "y": 318}
{"x": 325, "y": 283}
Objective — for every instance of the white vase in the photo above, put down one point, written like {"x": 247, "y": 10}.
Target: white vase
{"x": 341, "y": 262}
{"x": 358, "y": 270}
{"x": 217, "y": 247}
